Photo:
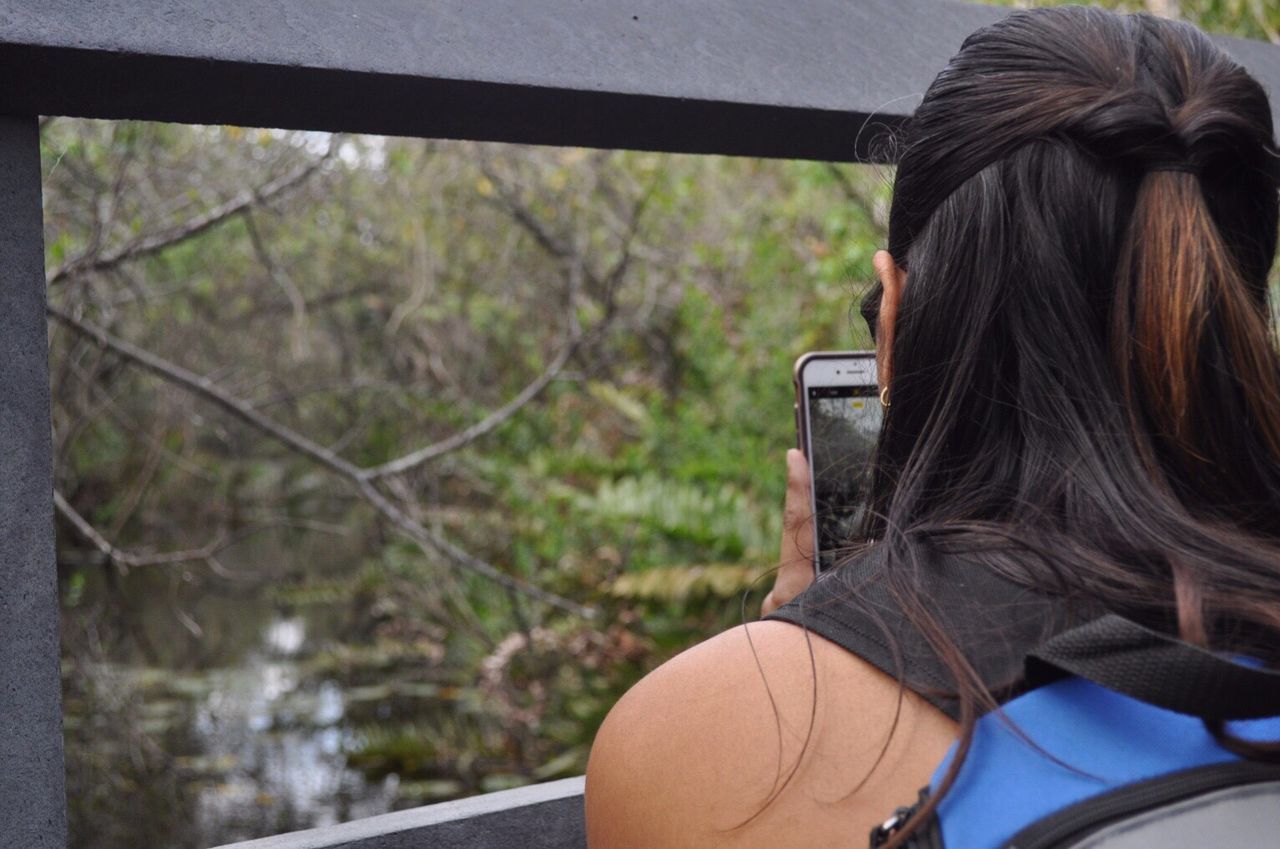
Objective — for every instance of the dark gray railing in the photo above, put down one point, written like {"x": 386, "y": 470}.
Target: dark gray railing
{"x": 802, "y": 79}
{"x": 543, "y": 816}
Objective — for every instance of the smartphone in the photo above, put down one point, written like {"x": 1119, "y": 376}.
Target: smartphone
{"x": 838, "y": 417}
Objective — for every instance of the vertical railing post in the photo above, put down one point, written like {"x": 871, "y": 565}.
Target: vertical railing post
{"x": 32, "y": 778}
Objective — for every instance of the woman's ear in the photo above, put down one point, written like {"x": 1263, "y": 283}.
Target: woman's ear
{"x": 892, "y": 279}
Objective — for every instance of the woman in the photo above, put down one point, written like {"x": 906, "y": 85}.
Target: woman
{"x": 1083, "y": 415}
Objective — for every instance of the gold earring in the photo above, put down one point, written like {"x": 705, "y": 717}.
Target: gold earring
{"x": 884, "y": 397}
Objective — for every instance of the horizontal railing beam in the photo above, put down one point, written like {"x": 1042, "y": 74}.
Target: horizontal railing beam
{"x": 802, "y": 79}
{"x": 805, "y": 79}
{"x": 798, "y": 79}
{"x": 541, "y": 816}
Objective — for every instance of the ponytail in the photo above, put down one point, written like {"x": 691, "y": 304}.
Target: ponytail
{"x": 1182, "y": 305}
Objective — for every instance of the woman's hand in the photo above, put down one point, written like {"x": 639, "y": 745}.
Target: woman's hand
{"x": 795, "y": 562}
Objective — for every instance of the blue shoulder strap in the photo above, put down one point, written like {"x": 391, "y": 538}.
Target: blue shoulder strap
{"x": 1090, "y": 740}
{"x": 1072, "y": 738}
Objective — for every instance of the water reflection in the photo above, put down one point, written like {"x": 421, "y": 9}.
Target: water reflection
{"x": 282, "y": 738}
{"x": 285, "y": 636}
{"x": 190, "y": 737}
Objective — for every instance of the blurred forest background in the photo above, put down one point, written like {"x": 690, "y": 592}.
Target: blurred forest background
{"x": 384, "y": 466}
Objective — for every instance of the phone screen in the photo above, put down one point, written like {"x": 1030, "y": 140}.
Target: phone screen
{"x": 844, "y": 423}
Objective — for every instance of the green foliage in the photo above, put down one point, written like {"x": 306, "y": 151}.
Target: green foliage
{"x": 720, "y": 522}
{"x": 682, "y": 584}
{"x": 394, "y": 300}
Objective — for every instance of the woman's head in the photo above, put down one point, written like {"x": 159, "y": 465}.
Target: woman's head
{"x": 1085, "y": 391}
{"x": 1082, "y": 350}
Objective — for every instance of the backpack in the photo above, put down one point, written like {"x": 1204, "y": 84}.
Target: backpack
{"x": 1110, "y": 750}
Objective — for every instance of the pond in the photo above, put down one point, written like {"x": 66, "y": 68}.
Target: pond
{"x": 202, "y": 709}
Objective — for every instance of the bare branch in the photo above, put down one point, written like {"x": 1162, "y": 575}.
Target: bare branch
{"x": 156, "y": 242}
{"x": 603, "y": 285}
{"x": 282, "y": 279}
{"x": 576, "y": 338}
{"x": 129, "y": 559}
{"x": 113, "y": 409}
{"x": 86, "y": 530}
{"x": 524, "y": 217}
{"x": 615, "y": 274}
{"x": 207, "y": 553}
{"x": 208, "y": 390}
{"x": 488, "y": 423}
{"x": 150, "y": 465}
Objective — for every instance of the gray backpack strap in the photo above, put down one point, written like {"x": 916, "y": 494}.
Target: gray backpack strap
{"x": 1229, "y": 804}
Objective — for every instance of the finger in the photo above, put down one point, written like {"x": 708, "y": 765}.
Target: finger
{"x": 797, "y": 512}
{"x": 795, "y": 568}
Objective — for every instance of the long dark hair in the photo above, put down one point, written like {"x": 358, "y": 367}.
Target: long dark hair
{"x": 1085, "y": 390}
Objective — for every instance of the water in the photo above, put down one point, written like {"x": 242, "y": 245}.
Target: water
{"x": 203, "y": 710}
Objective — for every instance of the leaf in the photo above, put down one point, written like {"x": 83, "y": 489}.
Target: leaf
{"x": 682, "y": 583}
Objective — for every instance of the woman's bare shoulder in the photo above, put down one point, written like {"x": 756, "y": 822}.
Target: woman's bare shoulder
{"x": 691, "y": 755}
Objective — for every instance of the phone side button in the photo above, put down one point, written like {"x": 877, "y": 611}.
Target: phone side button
{"x": 795, "y": 408}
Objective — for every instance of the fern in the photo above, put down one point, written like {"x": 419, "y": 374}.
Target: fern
{"x": 687, "y": 583}
{"x": 723, "y": 521}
